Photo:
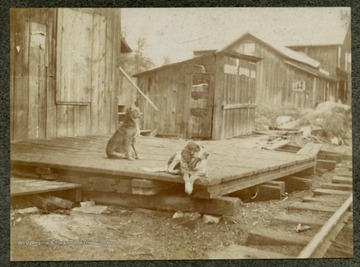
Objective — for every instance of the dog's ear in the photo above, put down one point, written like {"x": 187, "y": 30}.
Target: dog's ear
{"x": 189, "y": 151}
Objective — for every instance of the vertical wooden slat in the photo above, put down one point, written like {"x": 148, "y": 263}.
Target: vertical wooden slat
{"x": 219, "y": 82}
{"x": 20, "y": 31}
{"x": 111, "y": 48}
{"x": 51, "y": 74}
{"x": 76, "y": 121}
{"x": 74, "y": 66}
{"x": 187, "y": 106}
{"x": 61, "y": 120}
{"x": 34, "y": 83}
{"x": 70, "y": 125}
{"x": 42, "y": 90}
{"x": 95, "y": 54}
{"x": 59, "y": 50}
{"x": 102, "y": 110}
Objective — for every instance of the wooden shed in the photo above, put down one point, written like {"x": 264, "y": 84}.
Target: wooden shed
{"x": 334, "y": 53}
{"x": 286, "y": 77}
{"x": 212, "y": 96}
{"x": 65, "y": 79}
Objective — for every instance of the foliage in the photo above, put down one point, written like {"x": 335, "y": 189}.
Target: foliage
{"x": 136, "y": 61}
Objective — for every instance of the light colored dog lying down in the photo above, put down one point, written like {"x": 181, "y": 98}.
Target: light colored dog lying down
{"x": 190, "y": 163}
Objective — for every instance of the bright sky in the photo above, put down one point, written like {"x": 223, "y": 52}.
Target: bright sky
{"x": 177, "y": 32}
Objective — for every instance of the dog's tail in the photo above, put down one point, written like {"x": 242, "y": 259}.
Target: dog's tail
{"x": 160, "y": 169}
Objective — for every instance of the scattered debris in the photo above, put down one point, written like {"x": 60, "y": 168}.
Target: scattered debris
{"x": 211, "y": 219}
{"x": 282, "y": 120}
{"x": 301, "y": 228}
{"x": 336, "y": 141}
{"x": 306, "y": 131}
{"x": 87, "y": 203}
{"x": 328, "y": 120}
{"x": 30, "y": 210}
{"x": 91, "y": 208}
{"x": 189, "y": 215}
{"x": 187, "y": 219}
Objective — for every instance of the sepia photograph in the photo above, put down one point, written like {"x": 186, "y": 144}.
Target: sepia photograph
{"x": 180, "y": 134}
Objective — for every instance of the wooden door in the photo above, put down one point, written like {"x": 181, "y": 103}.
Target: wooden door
{"x": 38, "y": 50}
{"x": 201, "y": 88}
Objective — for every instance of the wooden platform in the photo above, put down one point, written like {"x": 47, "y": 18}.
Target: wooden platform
{"x": 22, "y": 187}
{"x": 231, "y": 167}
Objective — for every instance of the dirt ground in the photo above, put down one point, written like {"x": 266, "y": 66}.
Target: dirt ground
{"x": 138, "y": 234}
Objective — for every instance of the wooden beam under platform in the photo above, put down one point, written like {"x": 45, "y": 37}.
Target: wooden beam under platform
{"x": 171, "y": 202}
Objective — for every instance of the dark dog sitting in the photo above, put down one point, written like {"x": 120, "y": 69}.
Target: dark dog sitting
{"x": 119, "y": 145}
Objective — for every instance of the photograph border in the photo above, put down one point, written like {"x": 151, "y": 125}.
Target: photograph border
{"x": 5, "y": 130}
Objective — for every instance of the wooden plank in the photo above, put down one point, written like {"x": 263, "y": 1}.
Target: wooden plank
{"x": 252, "y": 180}
{"x": 218, "y": 98}
{"x": 325, "y": 164}
{"x": 20, "y": 186}
{"x": 101, "y": 87}
{"x": 342, "y": 180}
{"x": 346, "y": 174}
{"x": 318, "y": 192}
{"x": 61, "y": 114}
{"x": 263, "y": 237}
{"x": 113, "y": 81}
{"x": 37, "y": 42}
{"x": 328, "y": 199}
{"x": 315, "y": 243}
{"x": 238, "y": 106}
{"x": 293, "y": 183}
{"x": 51, "y": 108}
{"x": 345, "y": 187}
{"x": 87, "y": 154}
{"x": 310, "y": 149}
{"x": 70, "y": 125}
{"x": 43, "y": 66}
{"x": 272, "y": 190}
{"x": 218, "y": 206}
{"x": 138, "y": 89}
{"x": 328, "y": 156}
{"x": 51, "y": 74}
{"x": 96, "y": 54}
{"x": 277, "y": 145}
{"x": 295, "y": 219}
{"x": 305, "y": 206}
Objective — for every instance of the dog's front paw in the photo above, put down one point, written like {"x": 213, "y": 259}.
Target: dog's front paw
{"x": 188, "y": 188}
{"x": 137, "y": 157}
{"x": 131, "y": 158}
{"x": 174, "y": 171}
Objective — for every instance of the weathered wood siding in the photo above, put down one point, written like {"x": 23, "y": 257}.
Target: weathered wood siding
{"x": 212, "y": 96}
{"x": 278, "y": 78}
{"x": 235, "y": 97}
{"x": 327, "y": 55}
{"x": 170, "y": 88}
{"x": 64, "y": 72}
{"x": 33, "y": 72}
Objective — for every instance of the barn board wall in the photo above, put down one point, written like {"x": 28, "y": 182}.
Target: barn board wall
{"x": 327, "y": 55}
{"x": 239, "y": 100}
{"x": 46, "y": 115}
{"x": 275, "y": 79}
{"x": 167, "y": 88}
{"x": 32, "y": 73}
